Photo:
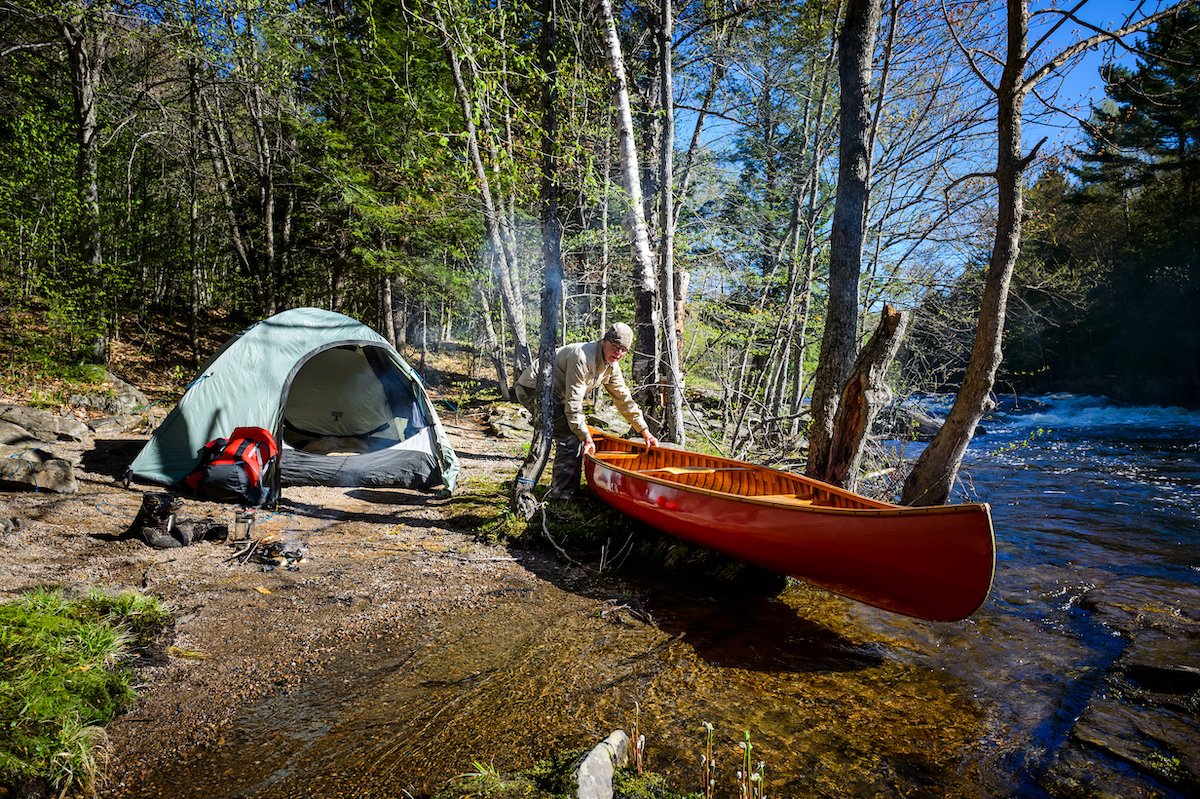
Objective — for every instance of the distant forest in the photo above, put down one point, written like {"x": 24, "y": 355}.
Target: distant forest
{"x": 395, "y": 160}
{"x": 1106, "y": 295}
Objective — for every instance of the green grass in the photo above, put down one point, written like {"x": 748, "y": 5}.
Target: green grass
{"x": 64, "y": 674}
{"x": 552, "y": 779}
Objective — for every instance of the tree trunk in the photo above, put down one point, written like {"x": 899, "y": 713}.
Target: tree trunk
{"x": 646, "y": 356}
{"x": 866, "y": 392}
{"x": 85, "y": 38}
{"x": 855, "y": 50}
{"x": 494, "y": 348}
{"x": 385, "y": 308}
{"x": 524, "y": 502}
{"x": 493, "y": 222}
{"x": 673, "y": 410}
{"x": 933, "y": 475}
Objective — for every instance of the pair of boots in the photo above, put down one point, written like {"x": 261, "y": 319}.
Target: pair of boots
{"x": 158, "y": 524}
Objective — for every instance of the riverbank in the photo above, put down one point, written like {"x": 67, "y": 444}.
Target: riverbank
{"x": 406, "y": 646}
{"x": 379, "y": 563}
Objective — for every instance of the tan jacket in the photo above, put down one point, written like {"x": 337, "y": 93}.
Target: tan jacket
{"x": 579, "y": 368}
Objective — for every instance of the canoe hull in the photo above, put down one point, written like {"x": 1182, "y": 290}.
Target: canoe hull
{"x": 929, "y": 563}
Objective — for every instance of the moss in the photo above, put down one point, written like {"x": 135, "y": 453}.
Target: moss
{"x": 648, "y": 785}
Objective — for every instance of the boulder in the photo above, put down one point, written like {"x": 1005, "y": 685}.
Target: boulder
{"x": 117, "y": 399}
{"x": 606, "y": 417}
{"x": 1145, "y": 714}
{"x": 906, "y": 423}
{"x": 43, "y": 425}
{"x": 508, "y": 420}
{"x": 13, "y": 435}
{"x": 37, "y": 470}
{"x": 594, "y": 776}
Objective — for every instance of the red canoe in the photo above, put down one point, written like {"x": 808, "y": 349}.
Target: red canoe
{"x": 932, "y": 563}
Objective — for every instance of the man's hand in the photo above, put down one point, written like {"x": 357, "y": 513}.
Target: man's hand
{"x": 589, "y": 446}
{"x": 649, "y": 438}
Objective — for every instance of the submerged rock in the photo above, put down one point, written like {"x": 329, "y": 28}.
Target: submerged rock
{"x": 1146, "y": 712}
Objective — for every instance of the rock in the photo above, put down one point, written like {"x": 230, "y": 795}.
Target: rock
{"x": 1162, "y": 663}
{"x": 907, "y": 423}
{"x": 14, "y": 435}
{"x": 594, "y": 776}
{"x": 1123, "y": 606}
{"x": 43, "y": 425}
{"x": 38, "y": 470}
{"x": 1147, "y": 713}
{"x": 1156, "y": 740}
{"x": 508, "y": 420}
{"x": 119, "y": 399}
{"x": 606, "y": 417}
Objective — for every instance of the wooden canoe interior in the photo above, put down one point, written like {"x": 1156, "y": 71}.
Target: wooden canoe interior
{"x": 712, "y": 473}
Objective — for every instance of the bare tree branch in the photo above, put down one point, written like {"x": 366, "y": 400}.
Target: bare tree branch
{"x": 967, "y": 53}
{"x": 1100, "y": 38}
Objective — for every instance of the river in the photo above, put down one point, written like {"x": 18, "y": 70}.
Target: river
{"x": 1079, "y": 677}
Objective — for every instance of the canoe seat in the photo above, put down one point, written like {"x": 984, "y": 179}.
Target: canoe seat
{"x": 617, "y": 456}
{"x": 787, "y": 499}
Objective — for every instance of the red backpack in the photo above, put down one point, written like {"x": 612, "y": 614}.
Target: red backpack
{"x": 234, "y": 468}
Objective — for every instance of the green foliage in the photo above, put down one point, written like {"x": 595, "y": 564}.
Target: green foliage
{"x": 1106, "y": 289}
{"x": 63, "y": 675}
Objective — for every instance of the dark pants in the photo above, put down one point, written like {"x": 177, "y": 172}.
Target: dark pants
{"x": 568, "y": 449}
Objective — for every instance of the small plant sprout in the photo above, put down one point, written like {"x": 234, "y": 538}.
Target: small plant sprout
{"x": 708, "y": 764}
{"x": 745, "y": 773}
{"x": 638, "y": 740}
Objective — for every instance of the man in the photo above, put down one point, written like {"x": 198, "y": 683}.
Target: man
{"x": 579, "y": 368}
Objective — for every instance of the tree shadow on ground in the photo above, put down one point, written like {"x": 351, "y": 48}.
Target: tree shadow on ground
{"x": 731, "y": 614}
{"x": 111, "y": 457}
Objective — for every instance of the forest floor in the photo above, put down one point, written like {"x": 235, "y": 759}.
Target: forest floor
{"x": 378, "y": 563}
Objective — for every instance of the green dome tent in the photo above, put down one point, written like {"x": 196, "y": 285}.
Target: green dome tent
{"x": 343, "y": 405}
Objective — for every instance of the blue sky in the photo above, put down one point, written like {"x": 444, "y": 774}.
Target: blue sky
{"x": 1082, "y": 84}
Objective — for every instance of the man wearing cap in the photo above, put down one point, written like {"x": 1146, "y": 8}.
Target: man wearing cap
{"x": 579, "y": 368}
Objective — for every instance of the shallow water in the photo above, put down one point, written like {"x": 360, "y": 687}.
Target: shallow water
{"x": 840, "y": 699}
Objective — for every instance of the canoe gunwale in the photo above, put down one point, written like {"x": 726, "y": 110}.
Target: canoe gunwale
{"x": 888, "y": 509}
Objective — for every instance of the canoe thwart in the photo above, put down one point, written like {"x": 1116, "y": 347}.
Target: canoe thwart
{"x": 787, "y": 499}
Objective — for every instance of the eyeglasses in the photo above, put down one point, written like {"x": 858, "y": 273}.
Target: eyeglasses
{"x": 620, "y": 348}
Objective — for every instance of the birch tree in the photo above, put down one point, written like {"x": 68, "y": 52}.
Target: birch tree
{"x": 646, "y": 294}
{"x": 497, "y": 224}
{"x": 673, "y": 406}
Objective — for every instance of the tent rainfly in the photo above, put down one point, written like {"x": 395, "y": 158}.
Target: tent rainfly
{"x": 343, "y": 405}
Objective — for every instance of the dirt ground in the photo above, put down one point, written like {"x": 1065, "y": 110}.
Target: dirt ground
{"x": 377, "y": 562}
